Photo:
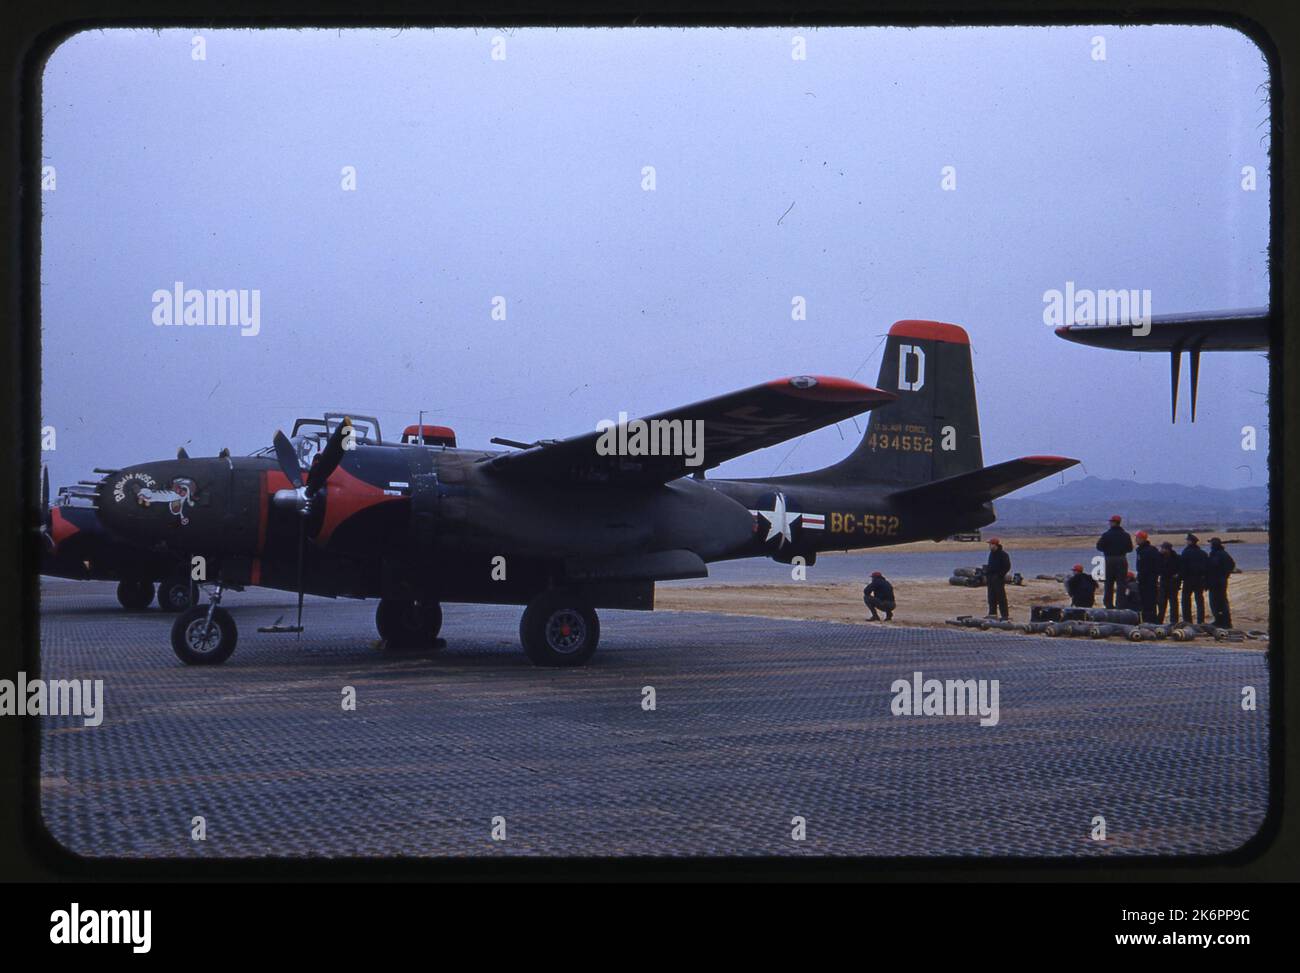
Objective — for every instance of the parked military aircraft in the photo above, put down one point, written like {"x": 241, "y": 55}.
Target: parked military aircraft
{"x": 1246, "y": 330}
{"x": 564, "y": 527}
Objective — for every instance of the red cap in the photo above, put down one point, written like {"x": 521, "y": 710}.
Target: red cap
{"x": 1078, "y": 567}
{"x": 1131, "y": 576}
{"x": 1142, "y": 535}
{"x": 994, "y": 540}
{"x": 875, "y": 574}
{"x": 1116, "y": 519}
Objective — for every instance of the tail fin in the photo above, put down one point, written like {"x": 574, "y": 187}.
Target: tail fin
{"x": 932, "y": 431}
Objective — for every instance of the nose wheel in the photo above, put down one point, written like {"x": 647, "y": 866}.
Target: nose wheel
{"x": 559, "y": 629}
{"x": 204, "y": 635}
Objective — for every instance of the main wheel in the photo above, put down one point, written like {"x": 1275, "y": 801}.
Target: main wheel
{"x": 134, "y": 595}
{"x": 409, "y": 625}
{"x": 177, "y": 594}
{"x": 198, "y": 644}
{"x": 559, "y": 629}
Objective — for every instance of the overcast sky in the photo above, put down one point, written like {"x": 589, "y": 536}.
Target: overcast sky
{"x": 521, "y": 177}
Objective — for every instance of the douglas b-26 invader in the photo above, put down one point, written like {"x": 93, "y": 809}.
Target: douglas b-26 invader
{"x": 564, "y": 527}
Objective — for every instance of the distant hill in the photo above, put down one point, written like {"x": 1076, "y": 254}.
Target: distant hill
{"x": 1089, "y": 503}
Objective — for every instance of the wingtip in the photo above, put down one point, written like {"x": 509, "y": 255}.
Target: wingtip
{"x": 1045, "y": 460}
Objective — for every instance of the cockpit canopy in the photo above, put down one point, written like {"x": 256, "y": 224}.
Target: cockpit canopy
{"x": 310, "y": 435}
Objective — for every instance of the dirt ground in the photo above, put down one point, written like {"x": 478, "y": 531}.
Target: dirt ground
{"x": 920, "y": 603}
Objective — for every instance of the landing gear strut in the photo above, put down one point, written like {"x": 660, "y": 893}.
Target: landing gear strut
{"x": 409, "y": 625}
{"x": 205, "y": 635}
{"x": 134, "y": 595}
{"x": 559, "y": 629}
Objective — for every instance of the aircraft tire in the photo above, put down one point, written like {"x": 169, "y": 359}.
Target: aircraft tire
{"x": 559, "y": 629}
{"x": 188, "y": 636}
{"x": 409, "y": 626}
{"x": 177, "y": 594}
{"x": 134, "y": 595}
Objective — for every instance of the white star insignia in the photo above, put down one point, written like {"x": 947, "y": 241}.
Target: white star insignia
{"x": 779, "y": 520}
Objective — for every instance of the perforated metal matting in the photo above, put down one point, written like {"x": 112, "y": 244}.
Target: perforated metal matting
{"x": 756, "y": 722}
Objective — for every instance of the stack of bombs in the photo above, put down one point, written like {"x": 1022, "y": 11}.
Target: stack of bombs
{"x": 1101, "y": 623}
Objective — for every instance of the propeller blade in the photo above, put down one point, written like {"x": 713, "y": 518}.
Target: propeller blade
{"x": 302, "y": 553}
{"x": 328, "y": 460}
{"x": 288, "y": 458}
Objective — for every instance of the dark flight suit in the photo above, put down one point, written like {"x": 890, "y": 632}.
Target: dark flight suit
{"x": 1219, "y": 565}
{"x": 1167, "y": 599}
{"x": 1148, "y": 572}
{"x": 1193, "y": 564}
{"x": 879, "y": 596}
{"x": 1082, "y": 589}
{"x": 1114, "y": 545}
{"x": 1129, "y": 597}
{"x": 995, "y": 573}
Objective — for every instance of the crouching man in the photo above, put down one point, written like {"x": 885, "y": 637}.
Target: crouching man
{"x": 879, "y": 597}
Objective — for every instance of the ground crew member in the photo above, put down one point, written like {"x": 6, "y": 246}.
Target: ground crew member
{"x": 879, "y": 595}
{"x": 995, "y": 574}
{"x": 1148, "y": 576}
{"x": 1219, "y": 565}
{"x": 1081, "y": 587}
{"x": 1114, "y": 546}
{"x": 1167, "y": 596}
{"x": 1192, "y": 566}
{"x": 1129, "y": 597}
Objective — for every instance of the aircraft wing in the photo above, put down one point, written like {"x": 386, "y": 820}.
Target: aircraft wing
{"x": 986, "y": 484}
{"x": 732, "y": 424}
{"x": 1246, "y": 330}
{"x": 1212, "y": 331}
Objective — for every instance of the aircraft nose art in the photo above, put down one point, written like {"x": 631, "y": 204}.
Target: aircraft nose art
{"x": 153, "y": 501}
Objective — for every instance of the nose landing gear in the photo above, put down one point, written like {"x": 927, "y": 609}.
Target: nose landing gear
{"x": 205, "y": 635}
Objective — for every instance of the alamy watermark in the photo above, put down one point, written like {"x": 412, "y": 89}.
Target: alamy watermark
{"x": 946, "y": 697}
{"x": 652, "y": 437}
{"x": 53, "y": 697}
{"x": 191, "y": 307}
{"x": 1081, "y": 306}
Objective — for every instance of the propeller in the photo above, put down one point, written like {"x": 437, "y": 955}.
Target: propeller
{"x": 302, "y": 494}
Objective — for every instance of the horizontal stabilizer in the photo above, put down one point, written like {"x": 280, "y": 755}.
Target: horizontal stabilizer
{"x": 985, "y": 484}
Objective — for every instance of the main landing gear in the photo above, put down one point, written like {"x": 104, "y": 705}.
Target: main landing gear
{"x": 177, "y": 593}
{"x": 205, "y": 635}
{"x": 559, "y": 629}
{"x": 134, "y": 595}
{"x": 409, "y": 626}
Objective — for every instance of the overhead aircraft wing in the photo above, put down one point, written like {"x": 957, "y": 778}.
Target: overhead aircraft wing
{"x": 985, "y": 484}
{"x": 1246, "y": 330}
{"x": 732, "y": 424}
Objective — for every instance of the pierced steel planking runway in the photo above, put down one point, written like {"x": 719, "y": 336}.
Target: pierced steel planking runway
{"x": 757, "y": 721}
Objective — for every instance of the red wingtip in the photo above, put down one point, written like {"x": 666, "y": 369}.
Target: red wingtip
{"x": 829, "y": 389}
{"x": 1048, "y": 460}
{"x": 930, "y": 331}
